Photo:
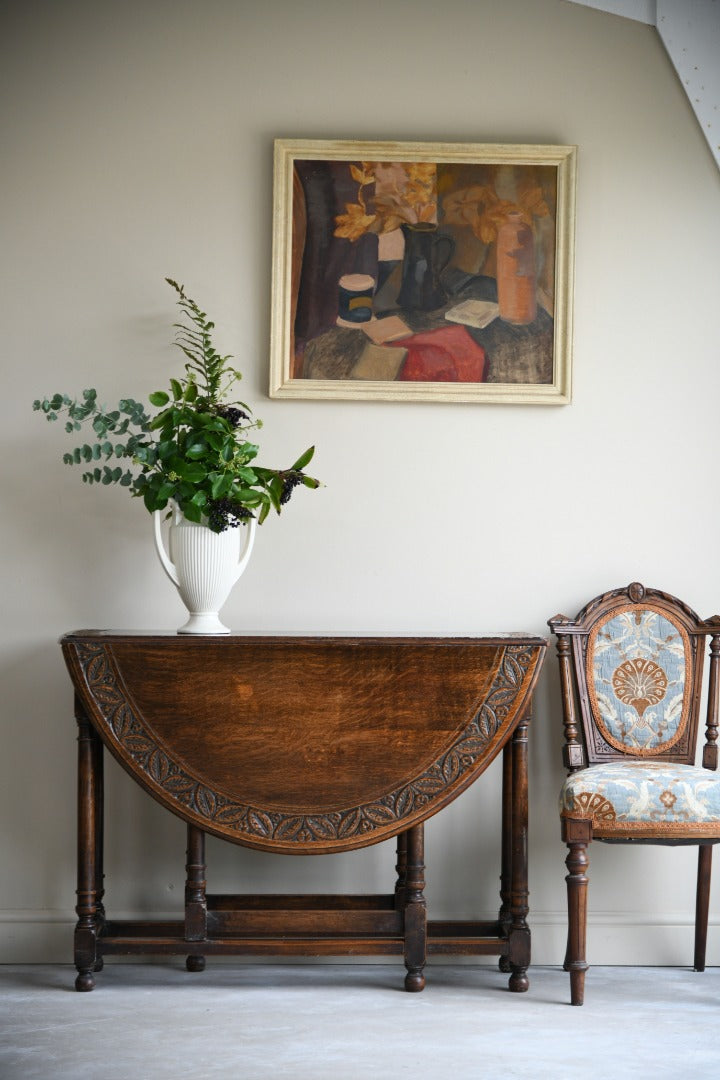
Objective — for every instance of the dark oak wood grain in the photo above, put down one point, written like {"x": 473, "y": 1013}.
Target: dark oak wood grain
{"x": 303, "y": 746}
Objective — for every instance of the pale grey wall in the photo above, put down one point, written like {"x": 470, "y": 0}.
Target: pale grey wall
{"x": 137, "y": 142}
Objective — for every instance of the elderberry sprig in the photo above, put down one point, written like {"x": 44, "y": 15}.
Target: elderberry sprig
{"x": 225, "y": 514}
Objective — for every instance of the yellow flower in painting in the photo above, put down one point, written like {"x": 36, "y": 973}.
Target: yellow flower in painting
{"x": 464, "y": 207}
{"x": 532, "y": 202}
{"x": 362, "y": 174}
{"x": 427, "y": 212}
{"x": 403, "y": 191}
{"x": 487, "y": 225}
{"x": 480, "y": 207}
{"x": 418, "y": 195}
{"x": 353, "y": 224}
{"x": 421, "y": 190}
{"x": 423, "y": 172}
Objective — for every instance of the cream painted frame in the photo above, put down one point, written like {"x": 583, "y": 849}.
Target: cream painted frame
{"x": 283, "y": 385}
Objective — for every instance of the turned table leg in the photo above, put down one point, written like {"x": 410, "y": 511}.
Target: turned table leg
{"x": 519, "y": 932}
{"x": 415, "y": 909}
{"x": 401, "y": 871}
{"x": 504, "y": 916}
{"x": 99, "y": 770}
{"x": 89, "y": 849}
{"x": 195, "y": 895}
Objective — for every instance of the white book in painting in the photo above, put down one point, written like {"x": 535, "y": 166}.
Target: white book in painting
{"x": 477, "y": 313}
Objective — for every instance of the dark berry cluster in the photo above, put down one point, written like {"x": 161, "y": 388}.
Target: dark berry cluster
{"x": 225, "y": 514}
{"x": 289, "y": 483}
{"x": 232, "y": 415}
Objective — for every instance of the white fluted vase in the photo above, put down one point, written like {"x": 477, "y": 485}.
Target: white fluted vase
{"x": 203, "y": 565}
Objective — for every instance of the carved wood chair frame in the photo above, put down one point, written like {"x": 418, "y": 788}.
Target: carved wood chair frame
{"x": 586, "y": 745}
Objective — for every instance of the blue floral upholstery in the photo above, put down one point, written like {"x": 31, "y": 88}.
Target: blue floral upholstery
{"x": 644, "y": 799}
{"x": 637, "y": 665}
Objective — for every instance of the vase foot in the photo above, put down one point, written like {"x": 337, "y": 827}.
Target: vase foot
{"x": 206, "y": 622}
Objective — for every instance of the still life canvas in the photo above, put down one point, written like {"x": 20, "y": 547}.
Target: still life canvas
{"x": 422, "y": 271}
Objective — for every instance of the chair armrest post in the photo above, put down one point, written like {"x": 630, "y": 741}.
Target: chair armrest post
{"x": 573, "y": 751}
{"x": 710, "y": 750}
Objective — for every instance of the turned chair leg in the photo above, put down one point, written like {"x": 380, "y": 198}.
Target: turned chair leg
{"x": 577, "y": 882}
{"x": 702, "y": 904}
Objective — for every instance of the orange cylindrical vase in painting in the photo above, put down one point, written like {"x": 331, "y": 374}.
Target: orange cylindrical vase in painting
{"x": 516, "y": 271}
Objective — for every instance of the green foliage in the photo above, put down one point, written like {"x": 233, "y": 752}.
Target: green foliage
{"x": 195, "y": 450}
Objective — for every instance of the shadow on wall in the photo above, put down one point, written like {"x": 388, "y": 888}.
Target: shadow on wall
{"x": 37, "y": 795}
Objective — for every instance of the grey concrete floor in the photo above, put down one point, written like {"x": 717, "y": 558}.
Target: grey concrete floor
{"x": 311, "y": 1022}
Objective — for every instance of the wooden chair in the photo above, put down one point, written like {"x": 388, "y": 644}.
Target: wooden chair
{"x": 631, "y": 667}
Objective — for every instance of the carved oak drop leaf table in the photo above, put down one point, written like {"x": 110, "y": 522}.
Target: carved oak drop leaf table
{"x": 300, "y": 746}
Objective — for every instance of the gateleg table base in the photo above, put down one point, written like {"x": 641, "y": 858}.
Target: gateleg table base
{"x": 302, "y": 746}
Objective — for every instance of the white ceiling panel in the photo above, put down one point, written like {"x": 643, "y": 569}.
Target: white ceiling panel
{"x": 641, "y": 10}
{"x": 690, "y": 32}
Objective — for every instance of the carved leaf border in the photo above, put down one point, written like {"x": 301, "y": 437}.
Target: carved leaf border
{"x": 264, "y": 826}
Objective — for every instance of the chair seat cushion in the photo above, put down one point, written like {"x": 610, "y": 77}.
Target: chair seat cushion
{"x": 644, "y": 799}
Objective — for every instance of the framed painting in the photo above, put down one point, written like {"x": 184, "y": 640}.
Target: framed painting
{"x": 422, "y": 272}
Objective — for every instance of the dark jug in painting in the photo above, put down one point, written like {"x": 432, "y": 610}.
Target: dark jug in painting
{"x": 427, "y": 253}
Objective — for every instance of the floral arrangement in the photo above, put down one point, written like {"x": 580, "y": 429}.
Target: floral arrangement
{"x": 402, "y": 192}
{"x": 195, "y": 450}
{"x": 408, "y": 192}
{"x": 483, "y": 211}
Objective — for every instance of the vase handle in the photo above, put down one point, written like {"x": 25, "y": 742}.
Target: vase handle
{"x": 443, "y": 257}
{"x": 167, "y": 565}
{"x": 250, "y": 526}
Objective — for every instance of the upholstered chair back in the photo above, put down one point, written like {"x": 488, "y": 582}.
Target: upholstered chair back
{"x": 638, "y": 667}
{"x": 639, "y": 674}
